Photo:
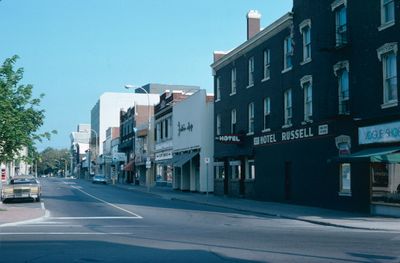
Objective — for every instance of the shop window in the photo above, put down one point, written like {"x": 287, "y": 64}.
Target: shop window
{"x": 251, "y": 170}
{"x": 345, "y": 179}
{"x": 385, "y": 180}
{"x": 235, "y": 172}
{"x": 219, "y": 171}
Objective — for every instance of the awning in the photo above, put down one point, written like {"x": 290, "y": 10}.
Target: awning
{"x": 129, "y": 166}
{"x": 180, "y": 160}
{"x": 387, "y": 155}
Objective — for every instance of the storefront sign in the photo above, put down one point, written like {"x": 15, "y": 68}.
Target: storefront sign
{"x": 184, "y": 127}
{"x": 163, "y": 156}
{"x": 229, "y": 138}
{"x": 384, "y": 133}
{"x": 291, "y": 135}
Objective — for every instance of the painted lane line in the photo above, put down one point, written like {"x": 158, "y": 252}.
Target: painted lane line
{"x": 63, "y": 233}
{"x": 105, "y": 202}
{"x": 93, "y": 217}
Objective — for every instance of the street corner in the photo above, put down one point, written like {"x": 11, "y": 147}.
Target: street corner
{"x": 12, "y": 213}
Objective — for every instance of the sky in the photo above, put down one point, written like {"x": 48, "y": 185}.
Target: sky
{"x": 75, "y": 50}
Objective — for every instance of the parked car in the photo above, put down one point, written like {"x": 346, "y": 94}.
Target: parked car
{"x": 99, "y": 179}
{"x": 22, "y": 187}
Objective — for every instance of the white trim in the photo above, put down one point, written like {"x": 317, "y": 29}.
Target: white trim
{"x": 286, "y": 70}
{"x": 344, "y": 194}
{"x": 341, "y": 65}
{"x": 306, "y": 22}
{"x": 305, "y": 79}
{"x": 249, "y": 133}
{"x": 265, "y": 79}
{"x": 249, "y": 86}
{"x": 387, "y": 25}
{"x": 338, "y": 3}
{"x": 386, "y": 48}
{"x": 231, "y": 94}
{"x": 266, "y": 130}
{"x": 308, "y": 60}
{"x": 389, "y": 104}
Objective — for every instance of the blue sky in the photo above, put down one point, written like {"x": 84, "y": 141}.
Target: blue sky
{"x": 75, "y": 50}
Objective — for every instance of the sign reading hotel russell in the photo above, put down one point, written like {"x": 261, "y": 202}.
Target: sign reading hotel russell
{"x": 291, "y": 135}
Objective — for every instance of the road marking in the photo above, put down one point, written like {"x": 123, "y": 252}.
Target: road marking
{"x": 63, "y": 233}
{"x": 101, "y": 200}
{"x": 93, "y": 217}
{"x": 42, "y": 205}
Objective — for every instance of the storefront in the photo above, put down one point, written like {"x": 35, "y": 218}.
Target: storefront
{"x": 163, "y": 161}
{"x": 380, "y": 155}
{"x": 193, "y": 145}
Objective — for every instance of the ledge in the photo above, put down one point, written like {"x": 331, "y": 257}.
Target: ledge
{"x": 265, "y": 79}
{"x": 249, "y": 86}
{"x": 389, "y": 104}
{"x": 286, "y": 70}
{"x": 308, "y": 60}
{"x": 387, "y": 25}
{"x": 346, "y": 194}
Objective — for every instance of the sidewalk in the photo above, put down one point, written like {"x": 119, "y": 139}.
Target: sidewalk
{"x": 303, "y": 213}
{"x": 13, "y": 213}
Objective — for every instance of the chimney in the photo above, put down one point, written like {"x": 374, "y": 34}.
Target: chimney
{"x": 253, "y": 23}
{"x": 218, "y": 55}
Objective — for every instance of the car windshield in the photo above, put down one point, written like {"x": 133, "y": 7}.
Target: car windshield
{"x": 23, "y": 181}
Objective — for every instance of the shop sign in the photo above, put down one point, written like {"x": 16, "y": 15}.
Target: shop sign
{"x": 229, "y": 138}
{"x": 384, "y": 133}
{"x": 343, "y": 143}
{"x": 163, "y": 156}
{"x": 291, "y": 135}
{"x": 184, "y": 127}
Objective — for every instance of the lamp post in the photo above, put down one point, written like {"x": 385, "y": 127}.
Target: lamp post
{"x": 148, "y": 159}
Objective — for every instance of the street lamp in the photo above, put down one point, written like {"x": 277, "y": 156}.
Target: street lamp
{"x": 148, "y": 160}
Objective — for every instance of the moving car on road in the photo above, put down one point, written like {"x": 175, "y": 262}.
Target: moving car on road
{"x": 99, "y": 179}
{"x": 22, "y": 187}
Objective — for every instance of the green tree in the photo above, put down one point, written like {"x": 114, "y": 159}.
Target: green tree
{"x": 53, "y": 160}
{"x": 20, "y": 116}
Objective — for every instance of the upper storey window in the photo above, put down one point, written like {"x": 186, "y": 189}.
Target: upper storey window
{"x": 387, "y": 14}
{"x": 340, "y": 9}
{"x": 305, "y": 30}
{"x": 288, "y": 53}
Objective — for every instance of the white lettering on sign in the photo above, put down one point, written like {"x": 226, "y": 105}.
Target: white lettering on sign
{"x": 384, "y": 133}
{"x": 323, "y": 129}
{"x": 228, "y": 138}
{"x": 297, "y": 134}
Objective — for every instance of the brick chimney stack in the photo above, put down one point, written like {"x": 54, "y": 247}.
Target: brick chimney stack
{"x": 253, "y": 23}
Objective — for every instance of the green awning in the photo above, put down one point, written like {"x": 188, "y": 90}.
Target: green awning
{"x": 387, "y": 155}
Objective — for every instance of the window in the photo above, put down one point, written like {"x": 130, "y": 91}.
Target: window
{"x": 170, "y": 127}
{"x": 233, "y": 81}
{"x": 158, "y": 131}
{"x": 345, "y": 178}
{"x": 251, "y": 72}
{"x": 162, "y": 130}
{"x": 341, "y": 25}
{"x": 307, "y": 101}
{"x": 267, "y": 113}
{"x": 387, "y": 13}
{"x": 288, "y": 52}
{"x": 218, "y": 131}
{"x": 251, "y": 118}
{"x": 388, "y": 55}
{"x": 267, "y": 62}
{"x": 219, "y": 171}
{"x": 235, "y": 171}
{"x": 306, "y": 84}
{"x": 288, "y": 107}
{"x": 251, "y": 170}
{"x": 305, "y": 30}
{"x": 233, "y": 121}
{"x": 341, "y": 70}
{"x": 218, "y": 92}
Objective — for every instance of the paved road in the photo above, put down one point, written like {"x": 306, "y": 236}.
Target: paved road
{"x": 97, "y": 223}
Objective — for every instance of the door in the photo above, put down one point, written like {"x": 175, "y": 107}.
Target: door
{"x": 288, "y": 180}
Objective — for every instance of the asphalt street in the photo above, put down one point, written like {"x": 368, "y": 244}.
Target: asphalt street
{"x": 101, "y": 223}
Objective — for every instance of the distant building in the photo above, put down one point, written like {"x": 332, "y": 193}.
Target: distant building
{"x": 79, "y": 145}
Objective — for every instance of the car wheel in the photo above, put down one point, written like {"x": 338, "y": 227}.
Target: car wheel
{"x": 37, "y": 199}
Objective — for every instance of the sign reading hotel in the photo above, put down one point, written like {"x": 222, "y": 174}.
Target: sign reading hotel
{"x": 389, "y": 132}
{"x": 291, "y": 135}
{"x": 229, "y": 138}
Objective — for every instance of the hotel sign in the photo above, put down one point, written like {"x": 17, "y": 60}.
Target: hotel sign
{"x": 384, "y": 133}
{"x": 229, "y": 138}
{"x": 291, "y": 135}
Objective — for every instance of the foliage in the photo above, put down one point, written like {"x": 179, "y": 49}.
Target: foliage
{"x": 20, "y": 118}
{"x": 52, "y": 160}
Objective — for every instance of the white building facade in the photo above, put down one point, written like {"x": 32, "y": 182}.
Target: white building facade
{"x": 193, "y": 143}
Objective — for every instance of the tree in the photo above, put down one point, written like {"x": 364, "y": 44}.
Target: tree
{"x": 53, "y": 160}
{"x": 20, "y": 116}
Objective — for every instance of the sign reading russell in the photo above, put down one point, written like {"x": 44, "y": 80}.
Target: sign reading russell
{"x": 291, "y": 135}
{"x": 389, "y": 132}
